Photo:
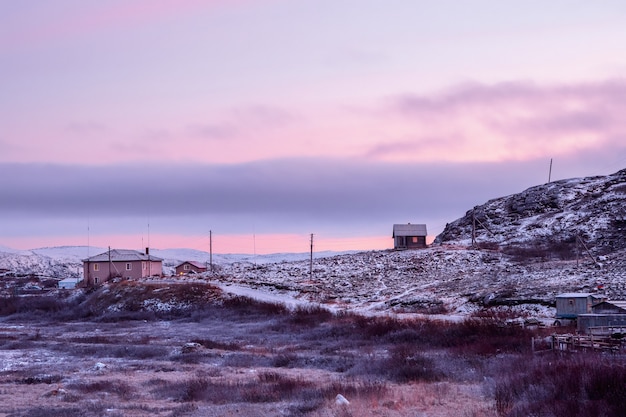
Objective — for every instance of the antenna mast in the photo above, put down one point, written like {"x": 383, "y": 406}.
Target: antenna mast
{"x": 550, "y": 172}
{"x": 311, "y": 261}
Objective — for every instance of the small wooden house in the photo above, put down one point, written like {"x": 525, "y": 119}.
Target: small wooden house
{"x": 121, "y": 263}
{"x": 409, "y": 236}
{"x": 190, "y": 267}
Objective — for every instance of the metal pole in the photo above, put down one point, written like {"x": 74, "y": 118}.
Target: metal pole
{"x": 311, "y": 261}
{"x": 550, "y": 172}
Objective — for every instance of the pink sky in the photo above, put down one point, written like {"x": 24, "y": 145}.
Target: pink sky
{"x": 248, "y": 89}
{"x": 232, "y": 243}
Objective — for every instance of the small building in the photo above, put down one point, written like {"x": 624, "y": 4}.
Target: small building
{"x": 68, "y": 283}
{"x": 570, "y": 305}
{"x": 409, "y": 236}
{"x": 121, "y": 263}
{"x": 190, "y": 267}
{"x": 609, "y": 307}
{"x": 601, "y": 323}
{"x": 608, "y": 317}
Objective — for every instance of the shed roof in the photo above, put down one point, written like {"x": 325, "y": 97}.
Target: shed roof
{"x": 122, "y": 255}
{"x": 409, "y": 230}
{"x": 578, "y": 295}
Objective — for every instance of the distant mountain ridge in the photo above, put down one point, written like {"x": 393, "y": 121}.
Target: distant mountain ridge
{"x": 589, "y": 212}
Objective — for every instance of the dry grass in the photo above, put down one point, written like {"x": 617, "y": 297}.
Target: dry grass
{"x": 213, "y": 355}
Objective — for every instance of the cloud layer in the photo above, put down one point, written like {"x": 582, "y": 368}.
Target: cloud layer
{"x": 279, "y": 196}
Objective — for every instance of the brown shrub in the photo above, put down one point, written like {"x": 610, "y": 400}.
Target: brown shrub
{"x": 582, "y": 385}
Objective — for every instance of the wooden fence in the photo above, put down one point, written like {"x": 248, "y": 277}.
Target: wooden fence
{"x": 599, "y": 339}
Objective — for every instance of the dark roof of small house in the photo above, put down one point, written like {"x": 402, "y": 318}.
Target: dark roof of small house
{"x": 194, "y": 263}
{"x": 409, "y": 230}
{"x": 619, "y": 304}
{"x": 122, "y": 255}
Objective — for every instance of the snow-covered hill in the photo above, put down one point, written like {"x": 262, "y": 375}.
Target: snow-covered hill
{"x": 554, "y": 217}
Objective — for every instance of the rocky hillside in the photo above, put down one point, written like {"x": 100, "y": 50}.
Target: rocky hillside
{"x": 560, "y": 219}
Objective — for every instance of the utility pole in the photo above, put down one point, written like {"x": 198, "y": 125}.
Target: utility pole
{"x": 474, "y": 227}
{"x": 211, "y": 249}
{"x": 577, "y": 251}
{"x": 109, "y": 262}
{"x": 550, "y": 172}
{"x": 311, "y": 261}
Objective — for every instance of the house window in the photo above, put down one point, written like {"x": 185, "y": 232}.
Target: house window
{"x": 96, "y": 267}
{"x": 414, "y": 238}
{"x": 186, "y": 267}
{"x": 95, "y": 280}
{"x": 129, "y": 266}
{"x": 143, "y": 266}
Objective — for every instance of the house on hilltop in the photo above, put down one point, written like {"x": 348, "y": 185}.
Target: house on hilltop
{"x": 121, "y": 263}
{"x": 409, "y": 236}
{"x": 190, "y": 267}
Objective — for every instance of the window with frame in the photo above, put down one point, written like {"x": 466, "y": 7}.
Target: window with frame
{"x": 186, "y": 267}
{"x": 96, "y": 267}
{"x": 129, "y": 266}
{"x": 414, "y": 239}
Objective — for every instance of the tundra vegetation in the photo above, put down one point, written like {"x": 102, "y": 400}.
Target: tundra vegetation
{"x": 187, "y": 349}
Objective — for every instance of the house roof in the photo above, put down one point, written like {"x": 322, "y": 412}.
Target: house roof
{"x": 617, "y": 303}
{"x": 122, "y": 255}
{"x": 409, "y": 230}
{"x": 578, "y": 295}
{"x": 194, "y": 263}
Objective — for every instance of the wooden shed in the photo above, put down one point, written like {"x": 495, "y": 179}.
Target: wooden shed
{"x": 609, "y": 307}
{"x": 409, "y": 236}
{"x": 188, "y": 267}
{"x": 571, "y": 305}
{"x": 601, "y": 323}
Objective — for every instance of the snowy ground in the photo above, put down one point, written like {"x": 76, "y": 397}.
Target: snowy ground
{"x": 439, "y": 280}
{"x": 449, "y": 280}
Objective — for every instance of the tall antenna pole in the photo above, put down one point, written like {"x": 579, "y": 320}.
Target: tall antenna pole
{"x": 211, "y": 249}
{"x": 311, "y": 261}
{"x": 474, "y": 227}
{"x": 550, "y": 172}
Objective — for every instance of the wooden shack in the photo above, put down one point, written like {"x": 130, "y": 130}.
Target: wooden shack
{"x": 606, "y": 324}
{"x": 570, "y": 305}
{"x": 190, "y": 267}
{"x": 409, "y": 236}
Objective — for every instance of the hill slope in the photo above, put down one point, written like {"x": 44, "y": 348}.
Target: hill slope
{"x": 549, "y": 218}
